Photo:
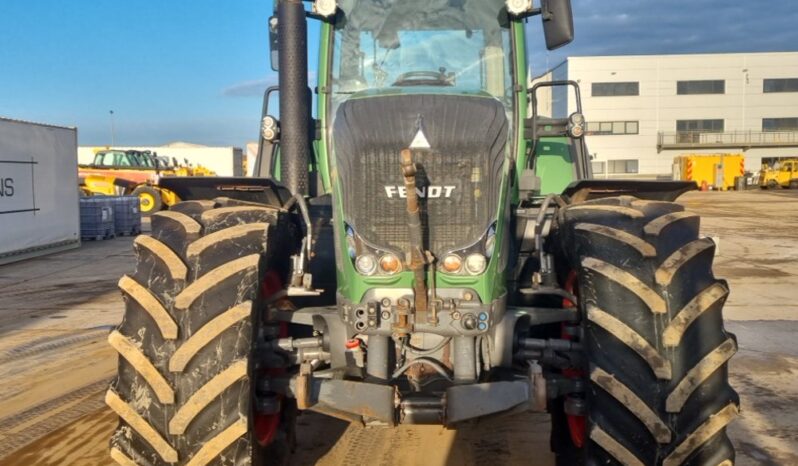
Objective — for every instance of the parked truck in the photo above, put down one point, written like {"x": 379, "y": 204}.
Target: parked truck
{"x": 423, "y": 251}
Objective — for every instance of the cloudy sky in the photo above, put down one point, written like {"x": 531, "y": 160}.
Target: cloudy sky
{"x": 626, "y": 27}
{"x": 194, "y": 70}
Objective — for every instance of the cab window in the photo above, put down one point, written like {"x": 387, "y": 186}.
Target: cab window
{"x": 105, "y": 159}
{"x": 122, "y": 160}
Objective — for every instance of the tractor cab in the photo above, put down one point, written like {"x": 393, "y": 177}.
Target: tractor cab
{"x": 446, "y": 81}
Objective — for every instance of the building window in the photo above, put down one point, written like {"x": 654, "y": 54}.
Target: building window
{"x": 598, "y": 167}
{"x": 619, "y": 167}
{"x": 615, "y": 89}
{"x": 780, "y": 124}
{"x": 689, "y": 131}
{"x": 601, "y": 128}
{"x": 700, "y": 87}
{"x": 699, "y": 126}
{"x": 780, "y": 85}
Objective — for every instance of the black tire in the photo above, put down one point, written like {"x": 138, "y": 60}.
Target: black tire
{"x": 653, "y": 333}
{"x": 794, "y": 184}
{"x": 193, "y": 308}
{"x": 150, "y": 200}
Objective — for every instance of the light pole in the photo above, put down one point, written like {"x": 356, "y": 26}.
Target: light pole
{"x": 113, "y": 129}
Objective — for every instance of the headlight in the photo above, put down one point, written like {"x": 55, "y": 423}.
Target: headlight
{"x": 518, "y": 7}
{"x": 452, "y": 263}
{"x": 366, "y": 264}
{"x": 390, "y": 264}
{"x": 475, "y": 264}
{"x": 324, "y": 8}
{"x": 269, "y": 128}
{"x": 577, "y": 125}
{"x": 577, "y": 119}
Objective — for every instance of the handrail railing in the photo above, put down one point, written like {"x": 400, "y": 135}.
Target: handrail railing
{"x": 729, "y": 139}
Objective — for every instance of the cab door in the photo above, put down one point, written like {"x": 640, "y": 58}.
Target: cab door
{"x": 787, "y": 173}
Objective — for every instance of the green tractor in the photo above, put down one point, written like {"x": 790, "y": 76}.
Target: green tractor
{"x": 421, "y": 247}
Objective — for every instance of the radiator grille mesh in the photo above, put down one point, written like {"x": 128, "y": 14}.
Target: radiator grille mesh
{"x": 459, "y": 175}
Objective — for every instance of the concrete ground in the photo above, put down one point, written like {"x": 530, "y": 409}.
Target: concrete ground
{"x": 55, "y": 313}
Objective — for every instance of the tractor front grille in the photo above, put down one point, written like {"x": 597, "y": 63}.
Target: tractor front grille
{"x": 460, "y": 174}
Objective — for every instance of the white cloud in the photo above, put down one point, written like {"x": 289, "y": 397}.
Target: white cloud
{"x": 256, "y": 87}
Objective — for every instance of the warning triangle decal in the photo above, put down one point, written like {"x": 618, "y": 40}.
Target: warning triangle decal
{"x": 420, "y": 141}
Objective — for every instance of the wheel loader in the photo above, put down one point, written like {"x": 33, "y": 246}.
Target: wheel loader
{"x": 781, "y": 175}
{"x": 420, "y": 246}
{"x": 130, "y": 172}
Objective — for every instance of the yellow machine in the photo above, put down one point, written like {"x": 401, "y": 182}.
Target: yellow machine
{"x": 136, "y": 173}
{"x": 152, "y": 197}
{"x": 709, "y": 171}
{"x": 115, "y": 172}
{"x": 783, "y": 175}
{"x": 199, "y": 170}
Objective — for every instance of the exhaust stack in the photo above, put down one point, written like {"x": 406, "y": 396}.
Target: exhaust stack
{"x": 295, "y": 98}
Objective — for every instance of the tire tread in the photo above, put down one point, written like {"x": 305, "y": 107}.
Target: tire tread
{"x": 183, "y": 393}
{"x": 653, "y": 332}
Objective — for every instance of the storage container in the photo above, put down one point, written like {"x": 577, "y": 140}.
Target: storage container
{"x": 96, "y": 218}
{"x": 127, "y": 215}
{"x": 710, "y": 171}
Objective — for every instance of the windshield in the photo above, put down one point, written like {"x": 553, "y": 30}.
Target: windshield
{"x": 463, "y": 45}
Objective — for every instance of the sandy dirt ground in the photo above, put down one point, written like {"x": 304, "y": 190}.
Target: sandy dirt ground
{"x": 55, "y": 313}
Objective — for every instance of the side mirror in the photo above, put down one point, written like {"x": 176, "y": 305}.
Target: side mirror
{"x": 274, "y": 44}
{"x": 558, "y": 22}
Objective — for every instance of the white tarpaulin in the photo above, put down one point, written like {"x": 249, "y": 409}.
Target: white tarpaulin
{"x": 38, "y": 189}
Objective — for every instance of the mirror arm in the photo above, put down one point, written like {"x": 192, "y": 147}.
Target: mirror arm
{"x": 318, "y": 17}
{"x": 530, "y": 13}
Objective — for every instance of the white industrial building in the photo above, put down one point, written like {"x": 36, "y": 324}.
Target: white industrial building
{"x": 644, "y": 110}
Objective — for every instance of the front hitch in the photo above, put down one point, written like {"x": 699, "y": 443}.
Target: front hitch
{"x": 416, "y": 259}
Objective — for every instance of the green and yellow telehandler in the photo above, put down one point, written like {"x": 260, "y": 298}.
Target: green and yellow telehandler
{"x": 418, "y": 247}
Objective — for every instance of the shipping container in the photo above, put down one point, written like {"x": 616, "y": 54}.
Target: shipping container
{"x": 709, "y": 171}
{"x": 38, "y": 189}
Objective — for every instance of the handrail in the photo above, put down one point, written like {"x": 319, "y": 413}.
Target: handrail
{"x": 730, "y": 139}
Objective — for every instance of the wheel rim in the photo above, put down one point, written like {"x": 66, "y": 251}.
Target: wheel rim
{"x": 267, "y": 425}
{"x": 577, "y": 425}
{"x": 147, "y": 201}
